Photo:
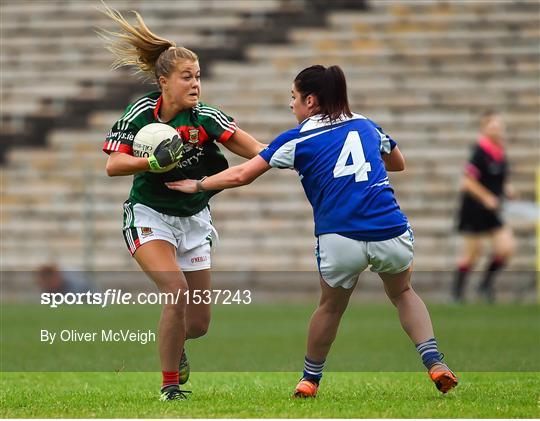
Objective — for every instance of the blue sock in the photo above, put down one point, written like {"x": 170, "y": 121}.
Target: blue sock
{"x": 429, "y": 352}
{"x": 313, "y": 370}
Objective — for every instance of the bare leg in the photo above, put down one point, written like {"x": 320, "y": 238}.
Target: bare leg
{"x": 325, "y": 320}
{"x": 472, "y": 248}
{"x": 415, "y": 320}
{"x": 198, "y": 315}
{"x": 412, "y": 311}
{"x": 503, "y": 242}
{"x": 158, "y": 259}
{"x": 503, "y": 247}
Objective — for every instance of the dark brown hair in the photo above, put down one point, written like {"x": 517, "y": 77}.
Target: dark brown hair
{"x": 330, "y": 88}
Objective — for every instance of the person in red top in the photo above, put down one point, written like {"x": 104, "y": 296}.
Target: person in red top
{"x": 484, "y": 188}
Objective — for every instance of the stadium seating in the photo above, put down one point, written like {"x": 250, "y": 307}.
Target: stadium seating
{"x": 424, "y": 70}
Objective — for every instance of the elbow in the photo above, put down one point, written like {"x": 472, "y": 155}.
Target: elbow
{"x": 400, "y": 166}
{"x": 110, "y": 170}
{"x": 242, "y": 178}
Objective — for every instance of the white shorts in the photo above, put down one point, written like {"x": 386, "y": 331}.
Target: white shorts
{"x": 342, "y": 259}
{"x": 192, "y": 236}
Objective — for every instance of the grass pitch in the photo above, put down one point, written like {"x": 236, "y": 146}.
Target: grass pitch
{"x": 267, "y": 395}
{"x": 249, "y": 362}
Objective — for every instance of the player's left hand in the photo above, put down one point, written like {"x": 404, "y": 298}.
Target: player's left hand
{"x": 511, "y": 193}
{"x": 167, "y": 152}
{"x": 185, "y": 186}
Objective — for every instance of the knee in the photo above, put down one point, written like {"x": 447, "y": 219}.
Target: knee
{"x": 332, "y": 308}
{"x": 176, "y": 308}
{"x": 198, "y": 328}
{"x": 397, "y": 297}
{"x": 467, "y": 262}
{"x": 507, "y": 250}
{"x": 469, "y": 258}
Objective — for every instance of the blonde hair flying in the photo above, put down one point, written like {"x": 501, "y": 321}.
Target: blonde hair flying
{"x": 137, "y": 46}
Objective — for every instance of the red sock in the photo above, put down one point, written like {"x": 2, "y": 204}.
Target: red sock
{"x": 464, "y": 267}
{"x": 170, "y": 377}
{"x": 497, "y": 263}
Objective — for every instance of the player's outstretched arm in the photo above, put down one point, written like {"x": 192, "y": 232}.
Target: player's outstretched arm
{"x": 394, "y": 160}
{"x": 243, "y": 144}
{"x": 239, "y": 175}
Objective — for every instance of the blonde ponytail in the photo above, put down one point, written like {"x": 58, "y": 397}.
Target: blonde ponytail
{"x": 137, "y": 46}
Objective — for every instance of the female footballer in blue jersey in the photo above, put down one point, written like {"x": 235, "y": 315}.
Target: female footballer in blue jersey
{"x": 342, "y": 159}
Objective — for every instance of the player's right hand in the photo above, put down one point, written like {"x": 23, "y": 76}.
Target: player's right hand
{"x": 185, "y": 186}
{"x": 491, "y": 202}
{"x": 167, "y": 152}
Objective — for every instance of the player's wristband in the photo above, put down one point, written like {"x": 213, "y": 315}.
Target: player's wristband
{"x": 154, "y": 164}
{"x": 199, "y": 184}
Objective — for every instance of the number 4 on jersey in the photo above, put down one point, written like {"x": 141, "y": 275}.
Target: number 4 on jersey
{"x": 359, "y": 167}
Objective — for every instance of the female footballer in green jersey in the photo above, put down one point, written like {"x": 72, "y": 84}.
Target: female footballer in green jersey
{"x": 170, "y": 233}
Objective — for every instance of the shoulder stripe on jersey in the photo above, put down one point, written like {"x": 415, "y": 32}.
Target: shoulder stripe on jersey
{"x": 136, "y": 105}
{"x": 284, "y": 156}
{"x": 218, "y": 114}
{"x": 230, "y": 126}
{"x": 226, "y": 125}
{"x": 135, "y": 112}
{"x": 133, "y": 117}
{"x": 140, "y": 104}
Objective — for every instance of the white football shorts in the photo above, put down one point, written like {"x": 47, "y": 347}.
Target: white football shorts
{"x": 341, "y": 259}
{"x": 192, "y": 236}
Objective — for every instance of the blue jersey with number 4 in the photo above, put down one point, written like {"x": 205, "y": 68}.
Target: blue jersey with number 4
{"x": 343, "y": 175}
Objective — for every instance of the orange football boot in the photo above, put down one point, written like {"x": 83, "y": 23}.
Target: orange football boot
{"x": 443, "y": 377}
{"x": 305, "y": 389}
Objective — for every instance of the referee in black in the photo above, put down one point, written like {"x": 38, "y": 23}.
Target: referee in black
{"x": 484, "y": 187}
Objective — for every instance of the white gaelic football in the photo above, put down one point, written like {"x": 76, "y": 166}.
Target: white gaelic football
{"x": 149, "y": 137}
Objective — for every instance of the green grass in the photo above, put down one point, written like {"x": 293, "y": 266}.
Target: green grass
{"x": 249, "y": 362}
{"x": 267, "y": 395}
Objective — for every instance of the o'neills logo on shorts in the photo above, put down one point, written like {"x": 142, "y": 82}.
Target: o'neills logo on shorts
{"x": 199, "y": 259}
{"x": 145, "y": 232}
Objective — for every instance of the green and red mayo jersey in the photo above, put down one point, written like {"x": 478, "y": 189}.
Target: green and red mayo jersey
{"x": 199, "y": 128}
